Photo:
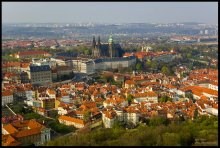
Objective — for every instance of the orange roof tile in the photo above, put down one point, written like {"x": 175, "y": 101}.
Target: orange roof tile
{"x": 24, "y": 53}
{"x": 7, "y": 93}
{"x": 130, "y": 82}
{"x": 215, "y": 106}
{"x": 10, "y": 129}
{"x": 8, "y": 140}
{"x": 146, "y": 94}
{"x": 110, "y": 114}
{"x": 71, "y": 119}
{"x": 27, "y": 132}
{"x": 52, "y": 92}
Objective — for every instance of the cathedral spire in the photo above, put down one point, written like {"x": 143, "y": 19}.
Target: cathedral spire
{"x": 93, "y": 42}
{"x": 110, "y": 40}
{"x": 99, "y": 42}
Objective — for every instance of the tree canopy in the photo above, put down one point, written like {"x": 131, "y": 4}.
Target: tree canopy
{"x": 156, "y": 133}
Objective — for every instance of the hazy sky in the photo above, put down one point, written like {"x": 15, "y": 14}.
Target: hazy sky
{"x": 109, "y": 12}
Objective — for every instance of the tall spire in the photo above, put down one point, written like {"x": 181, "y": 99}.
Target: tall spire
{"x": 99, "y": 42}
{"x": 93, "y": 42}
{"x": 110, "y": 40}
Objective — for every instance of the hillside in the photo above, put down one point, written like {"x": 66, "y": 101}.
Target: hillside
{"x": 201, "y": 131}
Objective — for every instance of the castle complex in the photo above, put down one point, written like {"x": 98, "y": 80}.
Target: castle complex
{"x": 110, "y": 49}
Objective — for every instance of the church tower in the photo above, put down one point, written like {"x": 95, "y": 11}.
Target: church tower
{"x": 99, "y": 47}
{"x": 93, "y": 46}
{"x": 93, "y": 42}
{"x": 110, "y": 45}
{"x": 99, "y": 41}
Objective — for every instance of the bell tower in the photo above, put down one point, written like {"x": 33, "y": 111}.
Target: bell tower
{"x": 110, "y": 44}
{"x": 93, "y": 46}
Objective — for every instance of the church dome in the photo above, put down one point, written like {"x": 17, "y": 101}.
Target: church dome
{"x": 110, "y": 40}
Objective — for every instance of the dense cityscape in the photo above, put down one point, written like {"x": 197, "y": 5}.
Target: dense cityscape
{"x": 106, "y": 84}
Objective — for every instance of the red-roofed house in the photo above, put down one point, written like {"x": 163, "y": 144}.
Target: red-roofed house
{"x": 213, "y": 85}
{"x": 109, "y": 118}
{"x": 78, "y": 123}
{"x": 31, "y": 54}
{"x": 146, "y": 97}
{"x": 129, "y": 84}
{"x": 7, "y": 97}
{"x": 25, "y": 133}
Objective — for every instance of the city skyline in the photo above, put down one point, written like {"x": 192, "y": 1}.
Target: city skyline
{"x": 109, "y": 12}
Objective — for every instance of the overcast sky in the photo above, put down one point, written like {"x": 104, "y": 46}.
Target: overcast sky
{"x": 109, "y": 12}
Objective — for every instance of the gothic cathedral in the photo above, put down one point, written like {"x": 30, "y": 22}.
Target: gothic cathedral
{"x": 110, "y": 49}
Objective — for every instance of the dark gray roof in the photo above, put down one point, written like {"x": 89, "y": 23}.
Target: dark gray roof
{"x": 114, "y": 59}
{"x": 40, "y": 68}
{"x": 67, "y": 54}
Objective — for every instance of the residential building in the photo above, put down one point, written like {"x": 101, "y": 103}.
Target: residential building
{"x": 7, "y": 97}
{"x": 149, "y": 96}
{"x": 40, "y": 75}
{"x": 78, "y": 123}
{"x": 31, "y": 54}
{"x": 24, "y": 133}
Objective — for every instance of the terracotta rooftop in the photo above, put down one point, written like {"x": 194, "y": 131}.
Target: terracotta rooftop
{"x": 8, "y": 140}
{"x": 71, "y": 119}
{"x": 7, "y": 93}
{"x": 10, "y": 129}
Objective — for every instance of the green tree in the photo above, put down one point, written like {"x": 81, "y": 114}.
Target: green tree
{"x": 148, "y": 63}
{"x": 53, "y": 114}
{"x": 130, "y": 98}
{"x": 138, "y": 66}
{"x": 165, "y": 99}
{"x": 154, "y": 64}
{"x": 189, "y": 55}
{"x": 156, "y": 121}
{"x": 87, "y": 52}
{"x": 165, "y": 70}
{"x": 196, "y": 113}
{"x": 171, "y": 139}
{"x": 87, "y": 115}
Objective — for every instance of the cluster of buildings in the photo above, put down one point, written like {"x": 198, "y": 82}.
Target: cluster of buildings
{"x": 45, "y": 68}
{"x": 106, "y": 50}
{"x": 81, "y": 105}
{"x": 38, "y": 43}
{"x": 31, "y": 54}
{"x": 17, "y": 44}
{"x": 153, "y": 56}
{"x": 24, "y": 133}
{"x": 109, "y": 102}
{"x": 194, "y": 39}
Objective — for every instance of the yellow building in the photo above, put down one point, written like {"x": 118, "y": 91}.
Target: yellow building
{"x": 48, "y": 103}
{"x": 57, "y": 103}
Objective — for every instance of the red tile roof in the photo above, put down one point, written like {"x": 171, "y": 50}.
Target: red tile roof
{"x": 130, "y": 82}
{"x": 27, "y": 132}
{"x": 10, "y": 129}
{"x": 71, "y": 119}
{"x": 7, "y": 93}
{"x": 23, "y": 53}
{"x": 8, "y": 140}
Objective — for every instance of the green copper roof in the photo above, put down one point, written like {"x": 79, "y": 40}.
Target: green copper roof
{"x": 110, "y": 40}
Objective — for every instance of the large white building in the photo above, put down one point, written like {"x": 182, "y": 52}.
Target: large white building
{"x": 7, "y": 97}
{"x": 41, "y": 75}
{"x": 78, "y": 123}
{"x": 149, "y": 96}
{"x": 89, "y": 66}
{"x": 114, "y": 63}
{"x": 213, "y": 86}
{"x": 126, "y": 115}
